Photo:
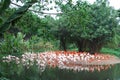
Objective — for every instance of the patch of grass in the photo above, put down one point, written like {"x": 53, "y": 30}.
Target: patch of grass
{"x": 111, "y": 51}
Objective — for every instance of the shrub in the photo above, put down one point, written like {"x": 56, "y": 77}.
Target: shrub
{"x": 14, "y": 45}
{"x": 36, "y": 44}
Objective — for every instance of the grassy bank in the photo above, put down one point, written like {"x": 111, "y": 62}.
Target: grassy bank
{"x": 111, "y": 51}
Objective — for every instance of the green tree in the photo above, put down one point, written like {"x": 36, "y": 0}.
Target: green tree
{"x": 103, "y": 24}
{"x": 75, "y": 17}
{"x": 15, "y": 16}
{"x": 91, "y": 26}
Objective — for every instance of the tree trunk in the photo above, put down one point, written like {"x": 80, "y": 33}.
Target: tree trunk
{"x": 80, "y": 46}
{"x": 63, "y": 43}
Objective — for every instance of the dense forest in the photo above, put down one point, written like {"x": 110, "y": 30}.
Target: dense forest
{"x": 79, "y": 26}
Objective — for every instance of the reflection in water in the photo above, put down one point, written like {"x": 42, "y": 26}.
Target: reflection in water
{"x": 106, "y": 73}
{"x": 69, "y": 67}
{"x": 89, "y": 68}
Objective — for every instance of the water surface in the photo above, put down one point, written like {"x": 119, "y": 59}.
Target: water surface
{"x": 111, "y": 73}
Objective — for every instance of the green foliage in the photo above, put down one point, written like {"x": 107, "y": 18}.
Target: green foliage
{"x": 14, "y": 45}
{"x": 115, "y": 41}
{"x": 3, "y": 78}
{"x": 29, "y": 24}
{"x": 87, "y": 26}
{"x": 4, "y": 5}
{"x": 119, "y": 13}
{"x": 111, "y": 51}
{"x": 39, "y": 45}
{"x": 90, "y": 26}
{"x": 15, "y": 16}
{"x": 1, "y": 20}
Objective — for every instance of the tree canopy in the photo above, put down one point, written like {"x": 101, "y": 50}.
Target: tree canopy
{"x": 88, "y": 26}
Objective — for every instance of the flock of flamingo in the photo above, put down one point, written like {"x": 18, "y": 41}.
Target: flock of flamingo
{"x": 77, "y": 61}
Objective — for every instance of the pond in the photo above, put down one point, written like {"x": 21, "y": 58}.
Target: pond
{"x": 110, "y": 73}
{"x": 52, "y": 66}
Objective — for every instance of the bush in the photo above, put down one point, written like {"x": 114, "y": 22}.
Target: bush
{"x": 14, "y": 45}
{"x": 111, "y": 51}
{"x": 36, "y": 44}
